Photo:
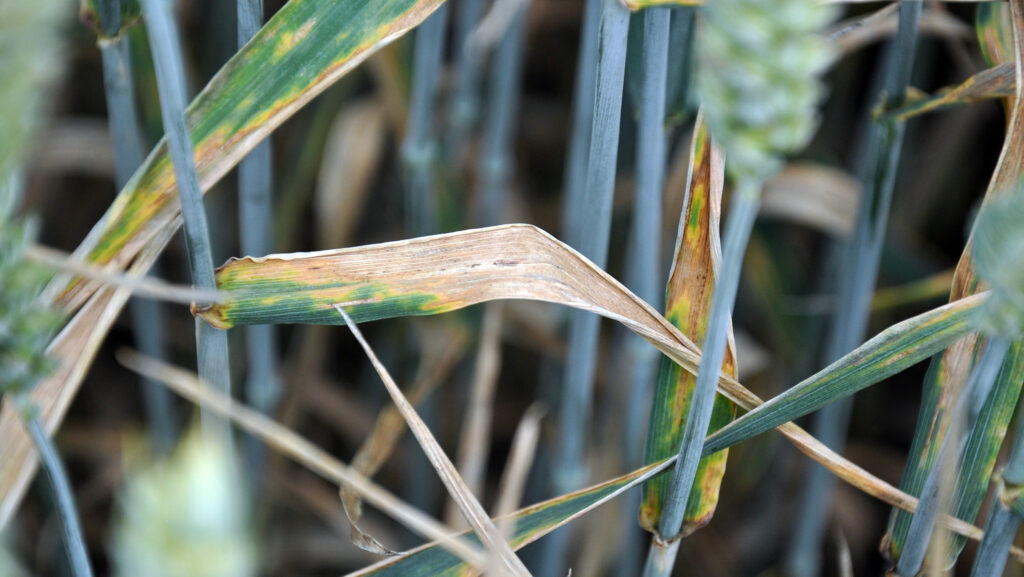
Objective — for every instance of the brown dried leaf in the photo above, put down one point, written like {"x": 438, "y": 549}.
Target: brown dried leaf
{"x": 443, "y": 347}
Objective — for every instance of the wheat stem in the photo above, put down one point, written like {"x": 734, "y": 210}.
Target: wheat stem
{"x": 418, "y": 149}
{"x": 582, "y": 119}
{"x": 255, "y": 210}
{"x": 212, "y": 344}
{"x": 643, "y": 270}
{"x": 931, "y": 504}
{"x": 60, "y": 488}
{"x": 122, "y": 118}
{"x": 465, "y": 104}
{"x": 858, "y": 276}
{"x": 499, "y": 126}
{"x": 1000, "y": 533}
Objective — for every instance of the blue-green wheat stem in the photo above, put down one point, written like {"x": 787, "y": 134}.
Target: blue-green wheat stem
{"x": 26, "y": 327}
{"x": 465, "y": 102}
{"x": 600, "y": 182}
{"x": 595, "y": 209}
{"x": 419, "y": 148}
{"x": 582, "y": 120}
{"x": 679, "y": 102}
{"x": 60, "y": 488}
{"x": 931, "y": 503}
{"x": 745, "y": 203}
{"x": 1000, "y": 533}
{"x": 255, "y": 210}
{"x": 573, "y": 184}
{"x": 497, "y": 157}
{"x": 147, "y": 318}
{"x": 858, "y": 274}
{"x": 122, "y": 118}
{"x": 643, "y": 272}
{"x": 1006, "y": 517}
{"x": 419, "y": 155}
{"x": 211, "y": 343}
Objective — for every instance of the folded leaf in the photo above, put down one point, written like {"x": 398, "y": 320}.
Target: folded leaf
{"x": 691, "y": 283}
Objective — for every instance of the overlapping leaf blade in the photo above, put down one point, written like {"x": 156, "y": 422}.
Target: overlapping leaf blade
{"x": 985, "y": 441}
{"x": 687, "y": 305}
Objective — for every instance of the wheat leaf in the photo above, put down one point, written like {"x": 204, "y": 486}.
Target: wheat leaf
{"x": 443, "y": 348}
{"x": 505, "y": 560}
{"x": 695, "y": 266}
{"x": 894, "y": 349}
{"x": 995, "y": 82}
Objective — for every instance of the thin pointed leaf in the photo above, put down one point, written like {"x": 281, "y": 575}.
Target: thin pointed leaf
{"x": 891, "y": 351}
{"x": 443, "y": 348}
{"x": 504, "y": 560}
{"x": 688, "y": 304}
{"x": 995, "y": 82}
